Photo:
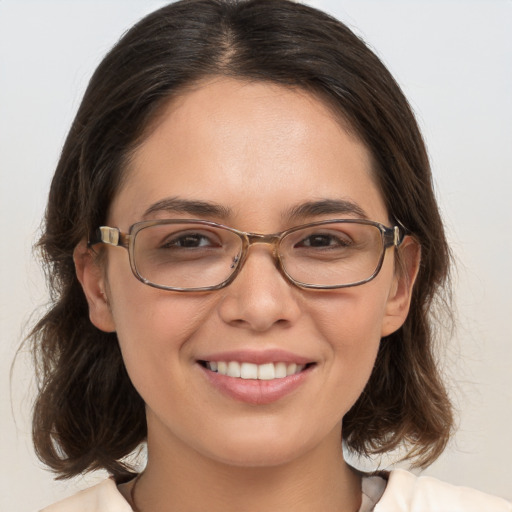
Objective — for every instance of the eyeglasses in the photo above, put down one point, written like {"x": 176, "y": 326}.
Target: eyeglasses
{"x": 197, "y": 255}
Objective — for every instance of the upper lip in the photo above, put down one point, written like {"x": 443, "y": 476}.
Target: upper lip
{"x": 257, "y": 357}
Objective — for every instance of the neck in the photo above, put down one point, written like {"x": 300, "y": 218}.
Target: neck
{"x": 181, "y": 479}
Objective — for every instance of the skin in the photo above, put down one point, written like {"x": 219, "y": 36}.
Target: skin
{"x": 258, "y": 150}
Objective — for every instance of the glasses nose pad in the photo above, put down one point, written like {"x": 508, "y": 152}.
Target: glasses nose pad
{"x": 239, "y": 259}
{"x": 235, "y": 261}
{"x": 278, "y": 257}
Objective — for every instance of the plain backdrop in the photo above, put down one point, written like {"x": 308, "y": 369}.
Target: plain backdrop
{"x": 453, "y": 59}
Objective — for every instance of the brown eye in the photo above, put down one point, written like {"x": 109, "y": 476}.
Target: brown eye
{"x": 322, "y": 240}
{"x": 189, "y": 240}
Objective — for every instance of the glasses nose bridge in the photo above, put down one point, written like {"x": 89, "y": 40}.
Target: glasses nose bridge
{"x": 271, "y": 240}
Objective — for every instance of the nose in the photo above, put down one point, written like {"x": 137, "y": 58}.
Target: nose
{"x": 260, "y": 297}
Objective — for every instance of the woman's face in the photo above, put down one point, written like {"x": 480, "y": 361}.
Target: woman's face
{"x": 255, "y": 152}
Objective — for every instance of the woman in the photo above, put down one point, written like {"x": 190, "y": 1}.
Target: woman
{"x": 270, "y": 184}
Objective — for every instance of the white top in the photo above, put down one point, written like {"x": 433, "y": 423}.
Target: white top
{"x": 403, "y": 492}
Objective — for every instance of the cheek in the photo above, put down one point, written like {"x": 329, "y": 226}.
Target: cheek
{"x": 156, "y": 322}
{"x": 153, "y": 326}
{"x": 145, "y": 316}
{"x": 154, "y": 335}
{"x": 350, "y": 322}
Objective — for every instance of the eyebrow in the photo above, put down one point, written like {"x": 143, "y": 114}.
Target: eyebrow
{"x": 192, "y": 207}
{"x": 301, "y": 211}
{"x": 325, "y": 207}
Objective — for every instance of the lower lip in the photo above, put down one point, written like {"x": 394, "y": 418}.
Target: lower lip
{"x": 255, "y": 391}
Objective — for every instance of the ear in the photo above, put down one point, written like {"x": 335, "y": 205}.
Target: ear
{"x": 91, "y": 277}
{"x": 407, "y": 263}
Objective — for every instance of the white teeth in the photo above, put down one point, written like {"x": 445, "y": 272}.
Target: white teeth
{"x": 267, "y": 371}
{"x": 249, "y": 371}
{"x": 280, "y": 370}
{"x": 233, "y": 369}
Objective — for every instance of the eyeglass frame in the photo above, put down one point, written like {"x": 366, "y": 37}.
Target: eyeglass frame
{"x": 391, "y": 237}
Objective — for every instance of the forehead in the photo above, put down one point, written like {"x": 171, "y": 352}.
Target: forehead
{"x": 253, "y": 147}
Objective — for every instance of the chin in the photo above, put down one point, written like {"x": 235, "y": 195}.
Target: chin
{"x": 256, "y": 458}
{"x": 259, "y": 450}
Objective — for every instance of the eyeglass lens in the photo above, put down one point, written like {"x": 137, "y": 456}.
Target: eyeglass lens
{"x": 200, "y": 256}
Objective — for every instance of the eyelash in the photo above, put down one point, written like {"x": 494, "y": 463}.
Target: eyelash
{"x": 177, "y": 240}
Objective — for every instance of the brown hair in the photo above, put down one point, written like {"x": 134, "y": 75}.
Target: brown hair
{"x": 87, "y": 414}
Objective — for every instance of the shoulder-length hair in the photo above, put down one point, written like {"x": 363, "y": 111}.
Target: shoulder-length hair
{"x": 87, "y": 414}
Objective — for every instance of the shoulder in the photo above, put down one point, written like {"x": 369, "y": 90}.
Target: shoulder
{"x": 406, "y": 492}
{"x": 103, "y": 497}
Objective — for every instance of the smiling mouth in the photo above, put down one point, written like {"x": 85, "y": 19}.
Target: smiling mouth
{"x": 266, "y": 371}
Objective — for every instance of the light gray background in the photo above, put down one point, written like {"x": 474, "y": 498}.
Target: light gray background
{"x": 453, "y": 59}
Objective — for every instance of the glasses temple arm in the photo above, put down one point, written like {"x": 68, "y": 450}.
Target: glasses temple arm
{"x": 108, "y": 235}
